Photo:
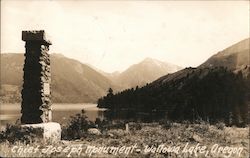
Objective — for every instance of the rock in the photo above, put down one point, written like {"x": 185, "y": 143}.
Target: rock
{"x": 110, "y": 135}
{"x": 65, "y": 142}
{"x": 196, "y": 138}
{"x": 94, "y": 131}
{"x": 49, "y": 132}
{"x": 118, "y": 132}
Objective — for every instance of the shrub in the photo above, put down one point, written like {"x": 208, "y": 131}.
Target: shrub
{"x": 77, "y": 127}
{"x": 166, "y": 124}
{"x": 135, "y": 126}
{"x": 220, "y": 125}
{"x": 187, "y": 123}
{"x": 14, "y": 133}
{"x": 102, "y": 124}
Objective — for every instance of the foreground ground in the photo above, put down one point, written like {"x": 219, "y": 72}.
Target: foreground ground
{"x": 144, "y": 140}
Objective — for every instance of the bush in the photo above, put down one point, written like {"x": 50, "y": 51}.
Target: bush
{"x": 135, "y": 126}
{"x": 102, "y": 124}
{"x": 166, "y": 124}
{"x": 14, "y": 133}
{"x": 220, "y": 125}
{"x": 77, "y": 127}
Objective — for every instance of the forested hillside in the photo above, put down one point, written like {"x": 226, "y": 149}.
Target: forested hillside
{"x": 210, "y": 94}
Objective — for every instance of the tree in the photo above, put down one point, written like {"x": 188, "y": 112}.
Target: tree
{"x": 110, "y": 92}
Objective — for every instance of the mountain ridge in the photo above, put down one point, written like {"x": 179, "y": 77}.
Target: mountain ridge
{"x": 218, "y": 90}
{"x": 72, "y": 81}
{"x": 233, "y": 57}
{"x": 145, "y": 72}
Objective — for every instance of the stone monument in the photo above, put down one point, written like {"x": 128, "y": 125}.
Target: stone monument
{"x": 36, "y": 94}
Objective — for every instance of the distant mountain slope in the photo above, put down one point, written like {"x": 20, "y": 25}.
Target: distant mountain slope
{"x": 144, "y": 72}
{"x": 139, "y": 74}
{"x": 233, "y": 57}
{"x": 217, "y": 90}
{"x": 112, "y": 76}
{"x": 72, "y": 81}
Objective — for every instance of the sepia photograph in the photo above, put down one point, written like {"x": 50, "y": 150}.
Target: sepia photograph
{"x": 127, "y": 78}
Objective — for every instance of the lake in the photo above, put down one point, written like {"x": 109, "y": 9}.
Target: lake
{"x": 61, "y": 113}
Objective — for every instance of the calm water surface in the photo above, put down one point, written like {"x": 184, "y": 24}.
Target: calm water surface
{"x": 10, "y": 113}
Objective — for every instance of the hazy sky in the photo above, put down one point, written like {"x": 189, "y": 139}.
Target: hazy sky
{"x": 112, "y": 35}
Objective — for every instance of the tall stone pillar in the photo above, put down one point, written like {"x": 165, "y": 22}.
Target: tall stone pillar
{"x": 36, "y": 96}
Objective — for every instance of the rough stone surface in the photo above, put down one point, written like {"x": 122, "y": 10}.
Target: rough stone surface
{"x": 36, "y": 93}
{"x": 35, "y": 35}
{"x": 51, "y": 132}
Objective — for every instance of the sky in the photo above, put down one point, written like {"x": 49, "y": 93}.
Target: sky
{"x": 112, "y": 35}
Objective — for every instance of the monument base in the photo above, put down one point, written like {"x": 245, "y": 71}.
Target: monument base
{"x": 50, "y": 132}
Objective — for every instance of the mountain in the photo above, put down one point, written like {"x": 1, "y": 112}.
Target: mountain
{"x": 112, "y": 76}
{"x": 234, "y": 57}
{"x": 75, "y": 82}
{"x": 217, "y": 90}
{"x": 144, "y": 72}
{"x": 140, "y": 74}
{"x": 211, "y": 94}
{"x": 72, "y": 81}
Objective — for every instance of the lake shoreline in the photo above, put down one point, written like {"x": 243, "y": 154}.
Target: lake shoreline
{"x": 61, "y": 113}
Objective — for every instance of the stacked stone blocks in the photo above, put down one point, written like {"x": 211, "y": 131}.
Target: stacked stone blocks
{"x": 36, "y": 94}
